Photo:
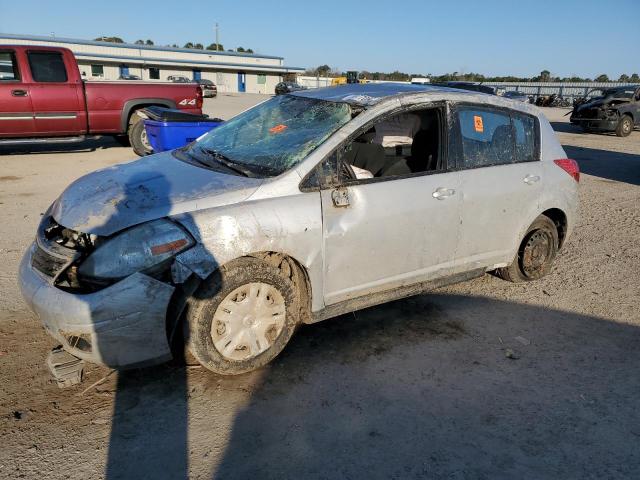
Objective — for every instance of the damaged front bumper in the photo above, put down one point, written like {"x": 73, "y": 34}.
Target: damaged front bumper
{"x": 123, "y": 325}
{"x": 601, "y": 124}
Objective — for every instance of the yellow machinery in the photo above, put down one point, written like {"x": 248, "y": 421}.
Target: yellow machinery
{"x": 352, "y": 77}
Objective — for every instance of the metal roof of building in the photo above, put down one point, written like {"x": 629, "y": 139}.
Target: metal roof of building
{"x": 162, "y": 61}
{"x": 42, "y": 38}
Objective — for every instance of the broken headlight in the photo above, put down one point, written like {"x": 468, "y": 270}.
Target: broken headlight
{"x": 137, "y": 249}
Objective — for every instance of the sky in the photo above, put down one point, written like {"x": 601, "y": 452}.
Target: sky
{"x": 493, "y": 37}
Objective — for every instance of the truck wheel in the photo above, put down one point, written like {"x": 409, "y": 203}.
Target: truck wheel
{"x": 242, "y": 317}
{"x": 625, "y": 126}
{"x": 138, "y": 138}
{"x": 536, "y": 253}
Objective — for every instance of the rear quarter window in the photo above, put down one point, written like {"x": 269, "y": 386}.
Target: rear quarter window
{"x": 525, "y": 128}
{"x": 47, "y": 67}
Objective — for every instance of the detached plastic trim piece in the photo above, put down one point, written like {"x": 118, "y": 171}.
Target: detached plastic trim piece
{"x": 66, "y": 369}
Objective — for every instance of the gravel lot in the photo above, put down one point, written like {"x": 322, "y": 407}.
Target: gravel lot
{"x": 419, "y": 388}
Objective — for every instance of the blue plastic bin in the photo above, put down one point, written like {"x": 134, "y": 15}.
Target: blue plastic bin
{"x": 171, "y": 135}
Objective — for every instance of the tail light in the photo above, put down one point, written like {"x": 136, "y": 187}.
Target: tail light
{"x": 199, "y": 97}
{"x": 570, "y": 166}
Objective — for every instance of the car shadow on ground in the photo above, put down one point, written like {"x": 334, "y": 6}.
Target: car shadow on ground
{"x": 566, "y": 127}
{"x": 88, "y": 145}
{"x": 622, "y": 167}
{"x": 436, "y": 386}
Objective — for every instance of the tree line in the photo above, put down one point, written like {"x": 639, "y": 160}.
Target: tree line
{"x": 192, "y": 45}
{"x": 397, "y": 76}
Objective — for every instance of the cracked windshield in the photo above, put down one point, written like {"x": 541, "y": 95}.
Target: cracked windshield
{"x": 275, "y": 135}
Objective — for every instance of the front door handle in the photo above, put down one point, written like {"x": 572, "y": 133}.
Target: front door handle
{"x": 19, "y": 93}
{"x": 531, "y": 179}
{"x": 442, "y": 193}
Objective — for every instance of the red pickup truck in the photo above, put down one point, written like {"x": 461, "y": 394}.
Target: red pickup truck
{"x": 43, "y": 99}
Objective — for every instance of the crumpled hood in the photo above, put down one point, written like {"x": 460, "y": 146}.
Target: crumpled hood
{"x": 109, "y": 200}
{"x": 602, "y": 102}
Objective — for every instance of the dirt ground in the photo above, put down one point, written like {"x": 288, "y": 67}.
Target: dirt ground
{"x": 419, "y": 388}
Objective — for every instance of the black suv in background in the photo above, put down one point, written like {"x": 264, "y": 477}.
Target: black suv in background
{"x": 615, "y": 110}
{"x": 474, "y": 87}
{"x": 288, "y": 87}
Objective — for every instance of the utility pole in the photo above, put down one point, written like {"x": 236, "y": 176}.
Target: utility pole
{"x": 217, "y": 37}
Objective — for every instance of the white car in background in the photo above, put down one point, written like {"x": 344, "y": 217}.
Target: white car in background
{"x": 307, "y": 206}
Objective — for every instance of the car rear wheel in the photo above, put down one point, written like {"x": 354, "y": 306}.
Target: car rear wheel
{"x": 138, "y": 138}
{"x": 536, "y": 253}
{"x": 625, "y": 126}
{"x": 242, "y": 317}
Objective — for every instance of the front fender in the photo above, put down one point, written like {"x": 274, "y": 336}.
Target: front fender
{"x": 290, "y": 225}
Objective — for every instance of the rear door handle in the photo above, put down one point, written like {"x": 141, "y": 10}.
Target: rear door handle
{"x": 442, "y": 193}
{"x": 19, "y": 93}
{"x": 531, "y": 179}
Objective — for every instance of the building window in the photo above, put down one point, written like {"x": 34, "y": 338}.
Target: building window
{"x": 262, "y": 79}
{"x": 97, "y": 70}
{"x": 154, "y": 73}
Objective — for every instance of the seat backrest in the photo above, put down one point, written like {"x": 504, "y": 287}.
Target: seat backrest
{"x": 424, "y": 150}
{"x": 369, "y": 156}
{"x": 420, "y": 145}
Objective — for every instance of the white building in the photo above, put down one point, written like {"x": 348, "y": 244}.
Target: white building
{"x": 230, "y": 71}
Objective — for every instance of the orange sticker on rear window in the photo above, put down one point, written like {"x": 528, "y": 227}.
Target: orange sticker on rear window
{"x": 477, "y": 123}
{"x": 278, "y": 129}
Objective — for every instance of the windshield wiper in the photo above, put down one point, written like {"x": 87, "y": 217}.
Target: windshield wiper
{"x": 227, "y": 162}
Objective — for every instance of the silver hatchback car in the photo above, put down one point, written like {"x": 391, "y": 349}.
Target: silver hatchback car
{"x": 307, "y": 206}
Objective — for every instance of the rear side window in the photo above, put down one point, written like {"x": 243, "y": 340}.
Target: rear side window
{"x": 496, "y": 137}
{"x": 487, "y": 138}
{"x": 8, "y": 67}
{"x": 47, "y": 67}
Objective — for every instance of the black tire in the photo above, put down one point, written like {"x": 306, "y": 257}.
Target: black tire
{"x": 138, "y": 138}
{"x": 586, "y": 129}
{"x": 212, "y": 292}
{"x": 122, "y": 140}
{"x": 536, "y": 253}
{"x": 625, "y": 126}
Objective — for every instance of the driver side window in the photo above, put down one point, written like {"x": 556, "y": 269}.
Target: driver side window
{"x": 404, "y": 144}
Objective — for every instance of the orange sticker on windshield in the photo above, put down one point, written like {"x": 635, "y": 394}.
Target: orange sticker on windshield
{"x": 278, "y": 129}
{"x": 477, "y": 123}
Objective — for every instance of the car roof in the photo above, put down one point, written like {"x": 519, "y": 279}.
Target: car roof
{"x": 371, "y": 94}
{"x": 366, "y": 94}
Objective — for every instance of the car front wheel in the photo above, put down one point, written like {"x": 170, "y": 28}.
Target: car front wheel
{"x": 242, "y": 317}
{"x": 625, "y": 126}
{"x": 536, "y": 253}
